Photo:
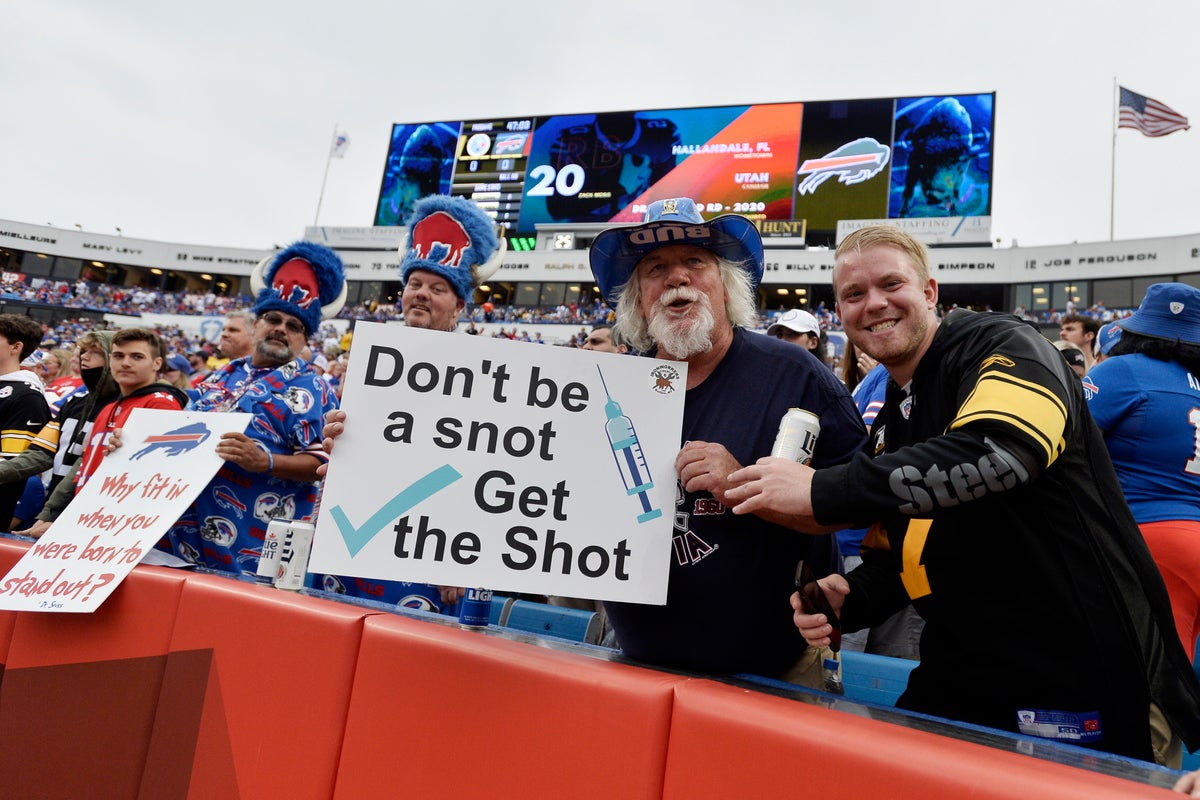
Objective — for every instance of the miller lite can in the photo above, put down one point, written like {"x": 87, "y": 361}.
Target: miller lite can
{"x": 797, "y": 437}
{"x": 268, "y": 559}
{"x": 293, "y": 554}
{"x": 475, "y": 609}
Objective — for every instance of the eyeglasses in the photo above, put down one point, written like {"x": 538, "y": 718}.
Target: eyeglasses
{"x": 292, "y": 325}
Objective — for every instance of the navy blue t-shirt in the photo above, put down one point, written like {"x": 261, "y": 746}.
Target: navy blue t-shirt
{"x": 727, "y": 605}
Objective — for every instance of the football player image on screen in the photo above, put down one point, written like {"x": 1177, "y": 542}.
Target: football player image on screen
{"x": 621, "y": 156}
{"x": 419, "y": 164}
{"x": 942, "y": 174}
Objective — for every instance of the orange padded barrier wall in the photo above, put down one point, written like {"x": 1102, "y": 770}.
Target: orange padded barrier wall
{"x": 439, "y": 711}
{"x": 197, "y": 686}
{"x": 10, "y": 554}
{"x": 81, "y": 691}
{"x": 730, "y": 742}
{"x": 256, "y": 693}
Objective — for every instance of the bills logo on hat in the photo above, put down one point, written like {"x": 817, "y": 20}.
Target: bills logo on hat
{"x": 454, "y": 239}
{"x": 304, "y": 279}
{"x": 441, "y": 239}
{"x": 296, "y": 283}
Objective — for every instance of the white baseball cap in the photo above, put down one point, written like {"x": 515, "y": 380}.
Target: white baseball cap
{"x": 796, "y": 320}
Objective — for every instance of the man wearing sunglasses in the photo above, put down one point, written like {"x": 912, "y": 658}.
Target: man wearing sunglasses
{"x": 271, "y": 468}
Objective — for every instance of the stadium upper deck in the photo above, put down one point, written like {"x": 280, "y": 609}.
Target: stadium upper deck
{"x": 555, "y": 271}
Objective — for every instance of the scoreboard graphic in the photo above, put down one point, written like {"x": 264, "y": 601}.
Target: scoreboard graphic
{"x": 897, "y": 158}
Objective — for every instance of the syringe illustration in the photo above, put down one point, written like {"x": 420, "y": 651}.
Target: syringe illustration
{"x": 627, "y": 451}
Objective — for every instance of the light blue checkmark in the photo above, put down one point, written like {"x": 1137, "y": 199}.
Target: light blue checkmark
{"x": 424, "y": 488}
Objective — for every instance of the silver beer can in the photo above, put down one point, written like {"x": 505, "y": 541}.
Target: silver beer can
{"x": 797, "y": 437}
{"x": 268, "y": 559}
{"x": 293, "y": 555}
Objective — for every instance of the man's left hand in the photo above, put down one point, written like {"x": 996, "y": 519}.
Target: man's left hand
{"x": 243, "y": 451}
{"x": 706, "y": 467}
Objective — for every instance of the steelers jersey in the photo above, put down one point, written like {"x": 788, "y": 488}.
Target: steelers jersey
{"x": 998, "y": 515}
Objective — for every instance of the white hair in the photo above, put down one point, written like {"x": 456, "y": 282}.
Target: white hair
{"x": 740, "y": 305}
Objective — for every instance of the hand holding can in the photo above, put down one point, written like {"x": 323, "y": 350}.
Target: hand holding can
{"x": 797, "y": 437}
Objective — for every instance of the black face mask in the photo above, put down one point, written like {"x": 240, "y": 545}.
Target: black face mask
{"x": 91, "y": 376}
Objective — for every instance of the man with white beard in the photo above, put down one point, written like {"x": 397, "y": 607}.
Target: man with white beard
{"x": 684, "y": 290}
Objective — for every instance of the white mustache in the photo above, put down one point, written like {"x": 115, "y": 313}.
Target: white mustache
{"x": 678, "y": 293}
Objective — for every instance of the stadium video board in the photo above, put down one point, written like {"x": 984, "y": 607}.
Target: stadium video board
{"x": 820, "y": 162}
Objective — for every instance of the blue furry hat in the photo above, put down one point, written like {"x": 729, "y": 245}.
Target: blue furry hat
{"x": 304, "y": 279}
{"x": 451, "y": 237}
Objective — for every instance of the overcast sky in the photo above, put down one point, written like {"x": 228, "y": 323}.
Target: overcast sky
{"x": 209, "y": 123}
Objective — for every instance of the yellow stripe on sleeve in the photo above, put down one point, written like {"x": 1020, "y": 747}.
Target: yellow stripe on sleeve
{"x": 47, "y": 437}
{"x": 14, "y": 442}
{"x": 1021, "y": 404}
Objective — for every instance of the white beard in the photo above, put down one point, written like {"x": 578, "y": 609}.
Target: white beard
{"x": 682, "y": 337}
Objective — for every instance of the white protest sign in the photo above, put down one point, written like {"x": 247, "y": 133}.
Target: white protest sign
{"x": 136, "y": 494}
{"x": 472, "y": 461}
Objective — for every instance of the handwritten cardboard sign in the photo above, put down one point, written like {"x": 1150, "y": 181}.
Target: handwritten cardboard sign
{"x": 471, "y": 461}
{"x": 137, "y": 493}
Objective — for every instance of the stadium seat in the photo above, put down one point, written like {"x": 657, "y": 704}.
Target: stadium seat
{"x": 565, "y": 623}
{"x": 500, "y": 606}
{"x": 876, "y": 679}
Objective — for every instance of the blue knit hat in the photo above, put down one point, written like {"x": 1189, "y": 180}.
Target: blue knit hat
{"x": 304, "y": 279}
{"x": 616, "y": 252}
{"x": 451, "y": 237}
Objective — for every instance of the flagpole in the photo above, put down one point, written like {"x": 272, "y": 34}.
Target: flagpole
{"x": 1112, "y": 186}
{"x": 328, "y": 158}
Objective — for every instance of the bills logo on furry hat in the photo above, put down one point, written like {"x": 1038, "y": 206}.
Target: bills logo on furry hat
{"x": 453, "y": 238}
{"x": 304, "y": 279}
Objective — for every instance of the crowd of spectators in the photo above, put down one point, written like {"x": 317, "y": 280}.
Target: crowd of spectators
{"x": 141, "y": 300}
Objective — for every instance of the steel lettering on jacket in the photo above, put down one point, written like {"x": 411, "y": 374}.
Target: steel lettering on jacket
{"x": 994, "y": 472}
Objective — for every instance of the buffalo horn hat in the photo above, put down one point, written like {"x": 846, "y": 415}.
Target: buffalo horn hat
{"x": 454, "y": 238}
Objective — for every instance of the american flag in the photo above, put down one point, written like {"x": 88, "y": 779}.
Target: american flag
{"x": 1148, "y": 115}
{"x": 341, "y": 143}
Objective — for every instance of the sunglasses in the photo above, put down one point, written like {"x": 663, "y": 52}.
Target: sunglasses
{"x": 292, "y": 325}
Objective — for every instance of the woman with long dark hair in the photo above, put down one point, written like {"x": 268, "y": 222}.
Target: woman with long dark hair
{"x": 1146, "y": 398}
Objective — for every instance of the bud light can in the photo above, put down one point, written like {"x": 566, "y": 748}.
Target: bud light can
{"x": 476, "y": 608}
{"x": 797, "y": 437}
{"x": 293, "y": 555}
{"x": 268, "y": 559}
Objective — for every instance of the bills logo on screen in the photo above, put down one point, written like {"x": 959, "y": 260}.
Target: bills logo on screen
{"x": 853, "y": 162}
{"x": 509, "y": 144}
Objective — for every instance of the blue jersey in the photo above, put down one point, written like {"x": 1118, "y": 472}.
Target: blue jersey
{"x": 868, "y": 396}
{"x": 870, "y": 393}
{"x": 1149, "y": 411}
{"x": 224, "y": 528}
